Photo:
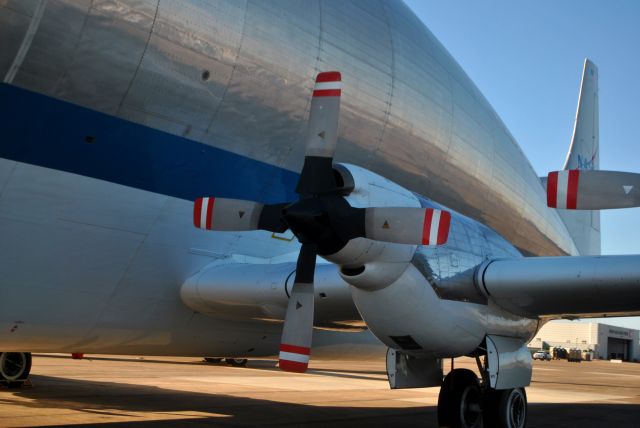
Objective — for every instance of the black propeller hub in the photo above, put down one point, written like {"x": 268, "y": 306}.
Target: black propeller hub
{"x": 327, "y": 221}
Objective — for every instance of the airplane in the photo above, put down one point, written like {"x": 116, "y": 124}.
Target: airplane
{"x": 353, "y": 184}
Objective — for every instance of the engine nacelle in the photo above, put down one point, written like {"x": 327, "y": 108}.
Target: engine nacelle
{"x": 364, "y": 263}
{"x": 408, "y": 315}
{"x": 235, "y": 290}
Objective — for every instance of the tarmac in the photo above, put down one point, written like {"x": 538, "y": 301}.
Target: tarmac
{"x": 183, "y": 392}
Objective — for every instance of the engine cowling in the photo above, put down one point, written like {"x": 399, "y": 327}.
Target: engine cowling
{"x": 234, "y": 290}
{"x": 364, "y": 263}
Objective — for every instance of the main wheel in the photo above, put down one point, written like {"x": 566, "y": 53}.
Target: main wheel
{"x": 506, "y": 408}
{"x": 14, "y": 368}
{"x": 237, "y": 362}
{"x": 459, "y": 402}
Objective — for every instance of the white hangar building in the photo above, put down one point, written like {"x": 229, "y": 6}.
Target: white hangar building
{"x": 606, "y": 341}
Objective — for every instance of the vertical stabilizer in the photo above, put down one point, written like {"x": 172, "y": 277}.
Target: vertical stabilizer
{"x": 584, "y": 153}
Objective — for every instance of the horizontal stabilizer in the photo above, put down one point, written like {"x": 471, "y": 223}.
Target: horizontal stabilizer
{"x": 592, "y": 189}
{"x": 564, "y": 286}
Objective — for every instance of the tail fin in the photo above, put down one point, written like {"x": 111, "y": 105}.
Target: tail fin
{"x": 584, "y": 153}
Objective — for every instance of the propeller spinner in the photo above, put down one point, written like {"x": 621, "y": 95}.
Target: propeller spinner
{"x": 321, "y": 219}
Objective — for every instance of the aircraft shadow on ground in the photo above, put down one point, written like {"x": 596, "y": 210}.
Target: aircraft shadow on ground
{"x": 263, "y": 364}
{"x": 123, "y": 400}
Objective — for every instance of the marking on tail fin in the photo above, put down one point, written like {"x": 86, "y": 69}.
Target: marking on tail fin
{"x": 584, "y": 163}
{"x": 627, "y": 189}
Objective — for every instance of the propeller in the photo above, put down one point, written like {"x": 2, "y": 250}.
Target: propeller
{"x": 321, "y": 219}
{"x": 583, "y": 189}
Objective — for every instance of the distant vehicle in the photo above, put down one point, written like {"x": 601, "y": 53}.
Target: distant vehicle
{"x": 575, "y": 356}
{"x": 560, "y": 354}
{"x": 542, "y": 355}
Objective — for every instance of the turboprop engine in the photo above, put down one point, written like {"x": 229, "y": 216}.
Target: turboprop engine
{"x": 235, "y": 288}
{"x": 352, "y": 233}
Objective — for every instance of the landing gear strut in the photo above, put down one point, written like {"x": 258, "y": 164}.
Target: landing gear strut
{"x": 14, "y": 368}
{"x": 465, "y": 402}
{"x": 235, "y": 362}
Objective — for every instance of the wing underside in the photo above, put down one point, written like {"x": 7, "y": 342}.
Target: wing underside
{"x": 564, "y": 287}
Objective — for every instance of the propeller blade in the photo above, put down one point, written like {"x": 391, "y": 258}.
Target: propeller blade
{"x": 592, "y": 189}
{"x": 406, "y": 225}
{"x": 237, "y": 215}
{"x": 317, "y": 173}
{"x": 295, "y": 346}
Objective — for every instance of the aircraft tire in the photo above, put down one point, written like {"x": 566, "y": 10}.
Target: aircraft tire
{"x": 506, "y": 408}
{"x": 213, "y": 360}
{"x": 460, "y": 400}
{"x": 237, "y": 362}
{"x": 14, "y": 368}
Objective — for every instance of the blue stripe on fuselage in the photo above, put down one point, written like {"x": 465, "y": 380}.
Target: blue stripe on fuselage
{"x": 44, "y": 131}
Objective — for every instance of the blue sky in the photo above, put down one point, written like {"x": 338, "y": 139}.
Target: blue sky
{"x": 527, "y": 58}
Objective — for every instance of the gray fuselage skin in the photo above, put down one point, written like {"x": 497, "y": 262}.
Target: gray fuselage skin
{"x": 93, "y": 265}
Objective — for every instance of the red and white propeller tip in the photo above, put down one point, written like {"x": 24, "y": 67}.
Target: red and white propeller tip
{"x": 562, "y": 189}
{"x": 408, "y": 225}
{"x": 231, "y": 214}
{"x": 328, "y": 84}
{"x": 294, "y": 358}
{"x": 203, "y": 213}
{"x": 435, "y": 230}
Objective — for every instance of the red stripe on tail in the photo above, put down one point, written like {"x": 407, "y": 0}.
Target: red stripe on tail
{"x": 552, "y": 189}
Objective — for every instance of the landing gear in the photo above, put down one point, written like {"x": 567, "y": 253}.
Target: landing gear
{"x": 460, "y": 400}
{"x": 213, "y": 360}
{"x": 506, "y": 408}
{"x": 237, "y": 362}
{"x": 14, "y": 368}
{"x": 465, "y": 403}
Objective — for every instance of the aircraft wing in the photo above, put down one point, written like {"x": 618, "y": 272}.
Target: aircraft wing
{"x": 564, "y": 287}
